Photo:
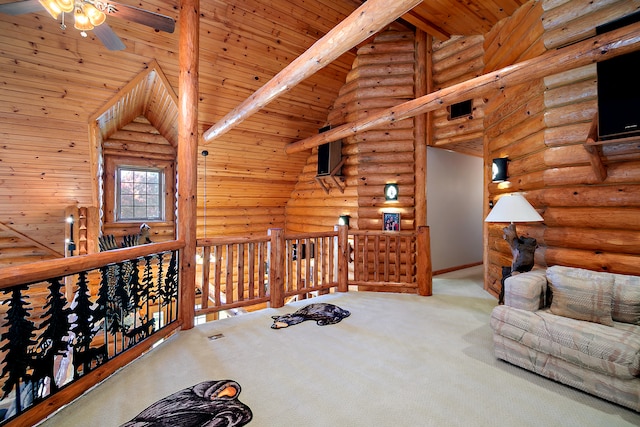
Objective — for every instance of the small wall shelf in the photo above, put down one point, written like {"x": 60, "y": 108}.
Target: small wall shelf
{"x": 326, "y": 180}
{"x": 593, "y": 147}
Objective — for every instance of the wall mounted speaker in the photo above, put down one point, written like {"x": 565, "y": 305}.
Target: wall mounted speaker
{"x": 619, "y": 89}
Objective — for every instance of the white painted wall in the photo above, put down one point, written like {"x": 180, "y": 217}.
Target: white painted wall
{"x": 454, "y": 208}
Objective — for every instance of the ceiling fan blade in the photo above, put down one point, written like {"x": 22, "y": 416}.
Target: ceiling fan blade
{"x": 141, "y": 16}
{"x": 21, "y": 7}
{"x": 108, "y": 37}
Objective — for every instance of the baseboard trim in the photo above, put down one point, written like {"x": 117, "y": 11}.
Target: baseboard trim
{"x": 456, "y": 268}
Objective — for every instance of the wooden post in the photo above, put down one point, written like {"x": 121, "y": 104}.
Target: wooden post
{"x": 187, "y": 156}
{"x": 420, "y": 132}
{"x": 206, "y": 271}
{"x": 276, "y": 267}
{"x": 424, "y": 274}
{"x": 343, "y": 258}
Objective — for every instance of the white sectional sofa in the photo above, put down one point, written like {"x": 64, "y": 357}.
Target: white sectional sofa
{"x": 575, "y": 326}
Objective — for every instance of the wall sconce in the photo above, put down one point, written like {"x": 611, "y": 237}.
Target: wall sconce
{"x": 71, "y": 246}
{"x": 499, "y": 169}
{"x": 391, "y": 192}
{"x": 343, "y": 220}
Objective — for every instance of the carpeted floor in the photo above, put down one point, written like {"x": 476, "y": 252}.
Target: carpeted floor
{"x": 397, "y": 360}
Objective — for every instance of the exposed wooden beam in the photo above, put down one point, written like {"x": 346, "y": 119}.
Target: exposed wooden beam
{"x": 365, "y": 21}
{"x": 594, "y": 49}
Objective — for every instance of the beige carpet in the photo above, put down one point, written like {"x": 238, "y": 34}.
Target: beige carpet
{"x": 397, "y": 360}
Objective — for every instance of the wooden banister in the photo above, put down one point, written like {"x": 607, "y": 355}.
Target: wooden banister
{"x": 29, "y": 273}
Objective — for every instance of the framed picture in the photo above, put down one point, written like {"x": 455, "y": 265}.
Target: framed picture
{"x": 390, "y": 221}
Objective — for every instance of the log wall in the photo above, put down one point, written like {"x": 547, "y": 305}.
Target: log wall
{"x": 542, "y": 127}
{"x": 454, "y": 61}
{"x": 382, "y": 76}
{"x": 514, "y": 126}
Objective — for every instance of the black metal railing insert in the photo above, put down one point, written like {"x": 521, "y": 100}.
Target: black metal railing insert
{"x": 55, "y": 331}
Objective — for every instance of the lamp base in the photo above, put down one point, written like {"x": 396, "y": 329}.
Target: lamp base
{"x": 522, "y": 249}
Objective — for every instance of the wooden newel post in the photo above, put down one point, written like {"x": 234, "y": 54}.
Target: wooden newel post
{"x": 343, "y": 258}
{"x": 276, "y": 267}
{"x": 424, "y": 273}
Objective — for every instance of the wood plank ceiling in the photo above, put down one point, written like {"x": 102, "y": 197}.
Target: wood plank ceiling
{"x": 440, "y": 18}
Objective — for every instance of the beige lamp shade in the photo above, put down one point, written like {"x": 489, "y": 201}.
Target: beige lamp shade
{"x": 513, "y": 208}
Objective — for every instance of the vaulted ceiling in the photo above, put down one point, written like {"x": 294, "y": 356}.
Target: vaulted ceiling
{"x": 53, "y": 81}
{"x": 445, "y": 18}
{"x": 245, "y": 43}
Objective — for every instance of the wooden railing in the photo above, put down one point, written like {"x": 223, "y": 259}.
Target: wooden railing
{"x": 64, "y": 322}
{"x": 240, "y": 272}
{"x": 233, "y": 273}
{"x": 121, "y": 302}
{"x": 398, "y": 260}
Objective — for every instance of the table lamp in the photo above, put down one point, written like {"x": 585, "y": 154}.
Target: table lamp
{"x": 514, "y": 208}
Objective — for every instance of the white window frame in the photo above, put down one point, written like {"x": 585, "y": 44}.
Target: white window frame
{"x": 160, "y": 195}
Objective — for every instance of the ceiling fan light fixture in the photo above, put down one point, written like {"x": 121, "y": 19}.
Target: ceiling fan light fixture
{"x": 96, "y": 17}
{"x": 81, "y": 21}
{"x": 52, "y": 7}
{"x": 65, "y": 5}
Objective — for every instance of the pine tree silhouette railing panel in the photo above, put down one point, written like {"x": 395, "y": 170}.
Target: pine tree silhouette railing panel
{"x": 55, "y": 330}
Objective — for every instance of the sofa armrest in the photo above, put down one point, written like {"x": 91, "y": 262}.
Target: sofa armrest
{"x": 526, "y": 291}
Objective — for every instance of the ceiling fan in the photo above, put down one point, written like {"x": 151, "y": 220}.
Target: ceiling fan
{"x": 90, "y": 15}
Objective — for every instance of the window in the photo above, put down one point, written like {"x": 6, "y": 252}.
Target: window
{"x": 139, "y": 194}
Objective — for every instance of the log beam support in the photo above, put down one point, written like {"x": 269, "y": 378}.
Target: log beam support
{"x": 364, "y": 22}
{"x": 594, "y": 49}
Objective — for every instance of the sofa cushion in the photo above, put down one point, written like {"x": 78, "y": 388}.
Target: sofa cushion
{"x": 581, "y": 294}
{"x": 526, "y": 291}
{"x": 626, "y": 299}
{"x": 613, "y": 351}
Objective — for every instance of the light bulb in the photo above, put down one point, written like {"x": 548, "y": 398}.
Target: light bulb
{"x": 95, "y": 16}
{"x": 66, "y": 5}
{"x": 52, "y": 7}
{"x": 81, "y": 21}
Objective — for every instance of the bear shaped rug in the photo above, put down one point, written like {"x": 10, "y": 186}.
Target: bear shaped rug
{"x": 209, "y": 403}
{"x": 322, "y": 313}
{"x": 215, "y": 403}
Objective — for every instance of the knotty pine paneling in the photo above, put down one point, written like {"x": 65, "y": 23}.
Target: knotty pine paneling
{"x": 139, "y": 144}
{"x": 52, "y": 81}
